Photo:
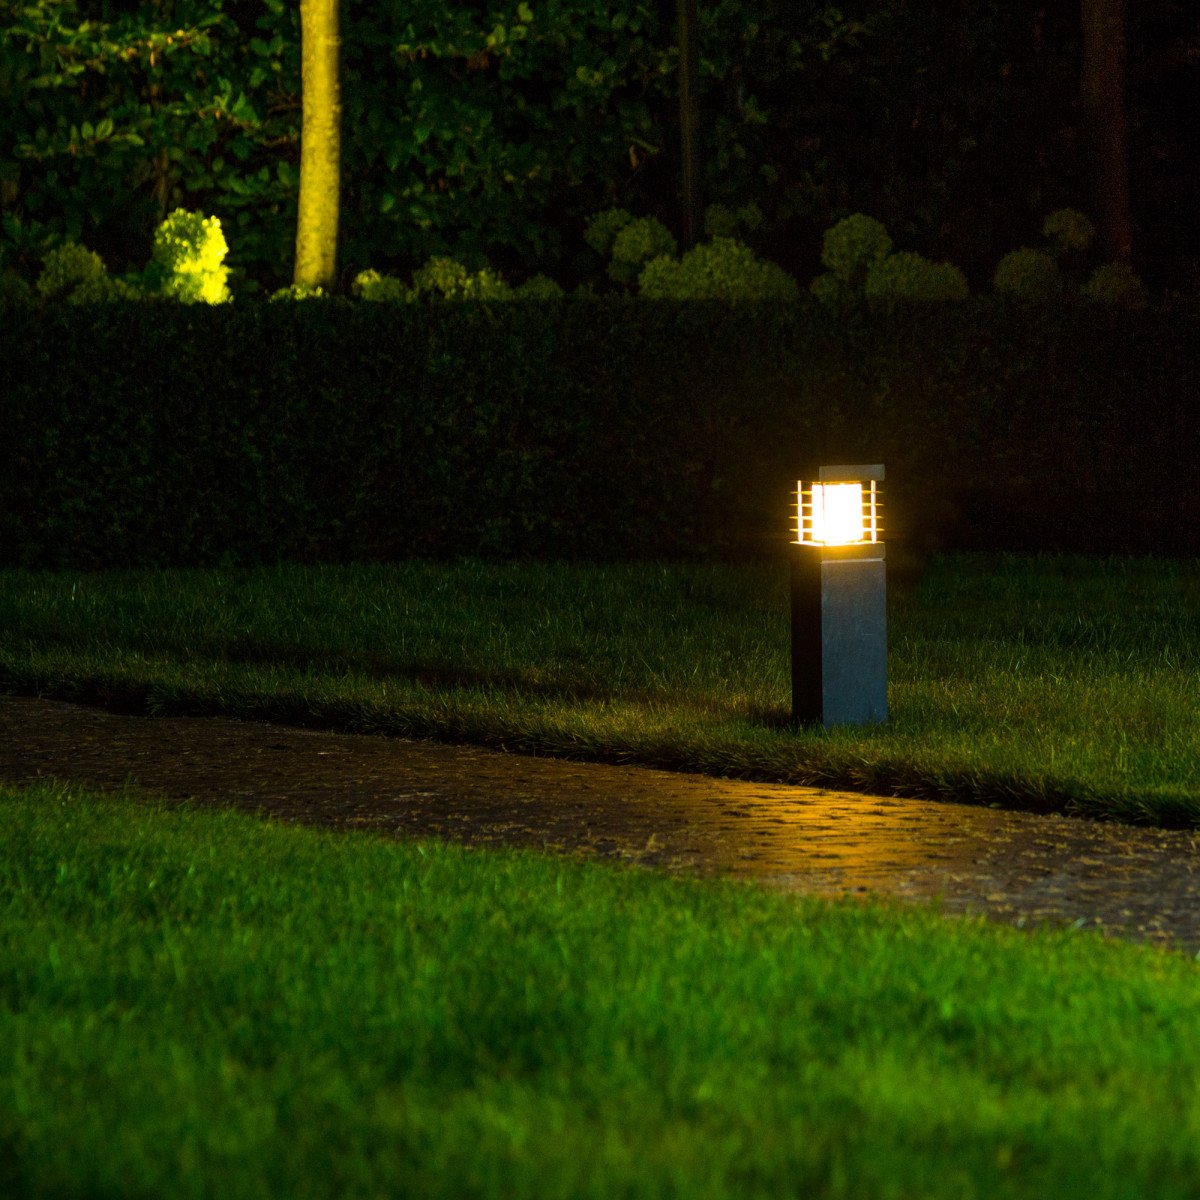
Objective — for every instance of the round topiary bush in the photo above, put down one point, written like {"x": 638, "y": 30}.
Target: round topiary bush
{"x": 448, "y": 279}
{"x": 854, "y": 245}
{"x": 68, "y": 267}
{"x": 602, "y": 229}
{"x": 538, "y": 287}
{"x": 636, "y": 244}
{"x": 187, "y": 263}
{"x": 722, "y": 269}
{"x": 297, "y": 291}
{"x": 78, "y": 275}
{"x": 381, "y": 289}
{"x": 1028, "y": 274}
{"x": 1069, "y": 229}
{"x": 1117, "y": 284}
{"x": 908, "y": 278}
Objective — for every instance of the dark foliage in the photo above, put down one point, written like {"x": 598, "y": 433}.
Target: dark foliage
{"x": 496, "y": 130}
{"x": 154, "y": 434}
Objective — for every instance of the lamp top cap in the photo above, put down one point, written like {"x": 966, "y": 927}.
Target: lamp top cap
{"x": 850, "y": 474}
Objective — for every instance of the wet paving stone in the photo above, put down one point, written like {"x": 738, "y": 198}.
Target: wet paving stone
{"x": 1019, "y": 868}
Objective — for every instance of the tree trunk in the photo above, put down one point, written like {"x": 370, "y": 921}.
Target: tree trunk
{"x": 320, "y": 145}
{"x": 1102, "y": 99}
{"x": 689, "y": 121}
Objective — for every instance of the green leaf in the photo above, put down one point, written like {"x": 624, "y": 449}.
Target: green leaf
{"x": 387, "y": 202}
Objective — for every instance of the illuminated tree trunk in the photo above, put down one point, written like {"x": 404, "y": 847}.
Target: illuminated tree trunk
{"x": 1102, "y": 99}
{"x": 689, "y": 121}
{"x": 320, "y": 145}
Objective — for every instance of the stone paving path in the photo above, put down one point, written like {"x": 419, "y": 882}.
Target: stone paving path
{"x": 1014, "y": 867}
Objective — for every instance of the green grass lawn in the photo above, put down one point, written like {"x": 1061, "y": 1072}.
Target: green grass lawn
{"x": 206, "y": 1005}
{"x": 1049, "y": 683}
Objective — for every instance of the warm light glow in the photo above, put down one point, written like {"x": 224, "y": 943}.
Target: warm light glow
{"x": 837, "y": 514}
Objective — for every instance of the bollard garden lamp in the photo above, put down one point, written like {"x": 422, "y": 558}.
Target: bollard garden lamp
{"x": 839, "y": 599}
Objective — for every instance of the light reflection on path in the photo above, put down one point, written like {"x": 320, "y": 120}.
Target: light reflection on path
{"x": 1015, "y": 867}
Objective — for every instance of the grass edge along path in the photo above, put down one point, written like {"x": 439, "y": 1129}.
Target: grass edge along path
{"x": 131, "y": 692}
{"x": 207, "y": 1003}
{"x": 1059, "y": 685}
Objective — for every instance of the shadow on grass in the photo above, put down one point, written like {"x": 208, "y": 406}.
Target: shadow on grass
{"x": 432, "y": 675}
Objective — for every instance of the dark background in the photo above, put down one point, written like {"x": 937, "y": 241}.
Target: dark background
{"x": 955, "y": 122}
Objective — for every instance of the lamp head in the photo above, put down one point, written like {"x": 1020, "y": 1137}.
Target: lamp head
{"x": 842, "y": 506}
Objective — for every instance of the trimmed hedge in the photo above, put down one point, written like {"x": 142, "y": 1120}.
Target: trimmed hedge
{"x": 155, "y": 434}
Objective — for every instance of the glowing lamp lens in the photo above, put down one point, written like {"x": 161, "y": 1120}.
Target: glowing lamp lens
{"x": 837, "y": 513}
